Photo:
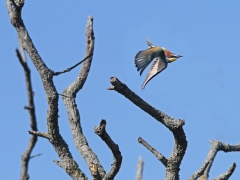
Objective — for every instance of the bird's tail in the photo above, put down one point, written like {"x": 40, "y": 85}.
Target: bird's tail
{"x": 143, "y": 59}
{"x": 150, "y": 45}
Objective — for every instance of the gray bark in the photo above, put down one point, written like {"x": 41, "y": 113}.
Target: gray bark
{"x": 174, "y": 125}
{"x": 66, "y": 160}
{"x": 216, "y": 146}
{"x": 227, "y": 174}
{"x": 69, "y": 95}
{"x": 26, "y": 156}
{"x": 117, "y": 156}
{"x": 139, "y": 169}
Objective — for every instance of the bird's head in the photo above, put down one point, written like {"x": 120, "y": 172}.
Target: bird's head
{"x": 171, "y": 57}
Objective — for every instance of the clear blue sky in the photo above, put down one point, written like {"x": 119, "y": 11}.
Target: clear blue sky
{"x": 202, "y": 87}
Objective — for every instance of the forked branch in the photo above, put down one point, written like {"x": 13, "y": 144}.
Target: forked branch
{"x": 69, "y": 94}
{"x": 69, "y": 69}
{"x": 216, "y": 146}
{"x": 53, "y": 134}
{"x": 174, "y": 125}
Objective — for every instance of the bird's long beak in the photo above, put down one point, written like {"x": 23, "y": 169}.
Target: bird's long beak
{"x": 173, "y": 57}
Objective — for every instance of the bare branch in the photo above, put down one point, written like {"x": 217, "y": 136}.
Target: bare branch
{"x": 199, "y": 172}
{"x": 65, "y": 96}
{"x": 226, "y": 175}
{"x": 23, "y": 63}
{"x": 163, "y": 118}
{"x": 216, "y": 146}
{"x": 26, "y": 156}
{"x": 101, "y": 132}
{"x": 158, "y": 155}
{"x": 29, "y": 107}
{"x": 68, "y": 97}
{"x": 139, "y": 169}
{"x": 69, "y": 69}
{"x": 35, "y": 155}
{"x": 174, "y": 125}
{"x": 40, "y": 134}
{"x": 90, "y": 39}
{"x": 55, "y": 138}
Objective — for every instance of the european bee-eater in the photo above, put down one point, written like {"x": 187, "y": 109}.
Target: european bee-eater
{"x": 162, "y": 57}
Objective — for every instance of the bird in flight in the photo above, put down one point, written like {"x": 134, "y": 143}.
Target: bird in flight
{"x": 162, "y": 57}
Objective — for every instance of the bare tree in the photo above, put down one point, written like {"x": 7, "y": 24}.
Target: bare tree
{"x": 66, "y": 162}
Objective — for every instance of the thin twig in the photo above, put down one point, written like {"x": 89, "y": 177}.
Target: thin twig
{"x": 26, "y": 156}
{"x": 40, "y": 134}
{"x": 22, "y": 61}
{"x": 65, "y": 95}
{"x": 101, "y": 132}
{"x": 158, "y": 155}
{"x": 69, "y": 69}
{"x": 36, "y": 155}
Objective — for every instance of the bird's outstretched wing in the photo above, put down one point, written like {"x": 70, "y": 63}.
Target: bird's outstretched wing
{"x": 145, "y": 57}
{"x": 150, "y": 45}
{"x": 158, "y": 66}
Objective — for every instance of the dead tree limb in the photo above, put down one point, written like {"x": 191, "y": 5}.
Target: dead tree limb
{"x": 26, "y": 156}
{"x": 199, "y": 173}
{"x": 226, "y": 175}
{"x": 157, "y": 154}
{"x": 216, "y": 146}
{"x": 139, "y": 169}
{"x": 174, "y": 125}
{"x": 69, "y": 94}
{"x": 117, "y": 160}
{"x": 53, "y": 135}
